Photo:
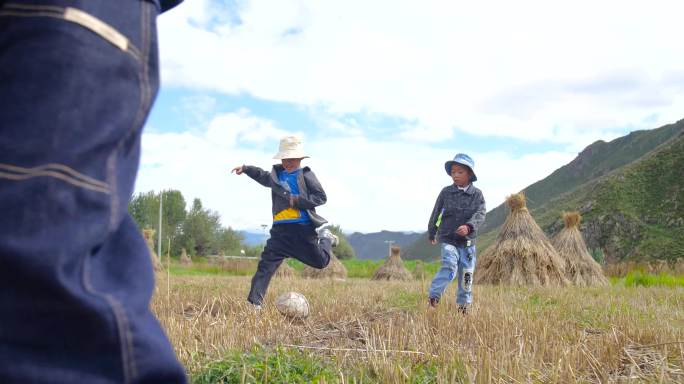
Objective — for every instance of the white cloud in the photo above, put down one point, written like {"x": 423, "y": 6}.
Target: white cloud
{"x": 227, "y": 129}
{"x": 544, "y": 72}
{"x": 370, "y": 185}
{"x": 528, "y": 69}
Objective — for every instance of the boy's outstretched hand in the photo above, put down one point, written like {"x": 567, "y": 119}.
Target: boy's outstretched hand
{"x": 237, "y": 170}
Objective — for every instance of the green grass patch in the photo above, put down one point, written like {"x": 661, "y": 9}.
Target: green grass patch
{"x": 360, "y": 269}
{"x": 243, "y": 268}
{"x": 364, "y": 269}
{"x": 537, "y": 300}
{"x": 267, "y": 366}
{"x": 406, "y": 299}
{"x": 283, "y": 365}
{"x": 206, "y": 270}
{"x": 641, "y": 279}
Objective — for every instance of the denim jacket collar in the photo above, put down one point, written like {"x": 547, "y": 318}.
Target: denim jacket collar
{"x": 468, "y": 189}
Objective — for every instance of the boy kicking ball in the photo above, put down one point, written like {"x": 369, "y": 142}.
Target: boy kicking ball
{"x": 295, "y": 194}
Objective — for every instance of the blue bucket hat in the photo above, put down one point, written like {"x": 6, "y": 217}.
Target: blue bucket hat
{"x": 462, "y": 159}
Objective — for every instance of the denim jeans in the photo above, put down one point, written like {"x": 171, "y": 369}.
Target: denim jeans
{"x": 299, "y": 241}
{"x": 77, "y": 80}
{"x": 457, "y": 262}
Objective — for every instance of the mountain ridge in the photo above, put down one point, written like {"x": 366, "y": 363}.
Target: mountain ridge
{"x": 373, "y": 245}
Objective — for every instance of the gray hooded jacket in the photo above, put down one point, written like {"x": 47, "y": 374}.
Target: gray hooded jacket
{"x": 311, "y": 193}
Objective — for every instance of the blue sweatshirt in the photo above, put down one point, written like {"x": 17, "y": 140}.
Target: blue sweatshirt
{"x": 290, "y": 215}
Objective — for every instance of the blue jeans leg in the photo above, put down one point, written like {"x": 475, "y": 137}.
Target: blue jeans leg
{"x": 77, "y": 80}
{"x": 446, "y": 272}
{"x": 466, "y": 269}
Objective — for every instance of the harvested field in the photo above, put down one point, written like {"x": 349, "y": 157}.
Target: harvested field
{"x": 382, "y": 331}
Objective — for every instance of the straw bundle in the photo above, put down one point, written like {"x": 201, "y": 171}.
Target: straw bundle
{"x": 658, "y": 266}
{"x": 678, "y": 267}
{"x": 335, "y": 270}
{"x": 521, "y": 254}
{"x": 184, "y": 259}
{"x": 393, "y": 268}
{"x": 580, "y": 268}
{"x": 419, "y": 270}
{"x": 148, "y": 234}
{"x": 284, "y": 271}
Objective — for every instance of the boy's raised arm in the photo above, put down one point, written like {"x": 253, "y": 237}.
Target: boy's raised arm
{"x": 316, "y": 193}
{"x": 259, "y": 175}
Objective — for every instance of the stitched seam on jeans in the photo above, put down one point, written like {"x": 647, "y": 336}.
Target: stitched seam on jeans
{"x": 96, "y": 25}
{"x": 75, "y": 16}
{"x": 120, "y": 318}
{"x": 53, "y": 174}
{"x": 125, "y": 336}
{"x": 56, "y": 167}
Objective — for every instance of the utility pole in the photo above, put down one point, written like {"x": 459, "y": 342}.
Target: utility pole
{"x": 159, "y": 237}
{"x": 389, "y": 246}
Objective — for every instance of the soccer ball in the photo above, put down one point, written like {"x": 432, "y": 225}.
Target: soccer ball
{"x": 293, "y": 304}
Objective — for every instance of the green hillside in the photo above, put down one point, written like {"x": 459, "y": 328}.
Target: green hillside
{"x": 594, "y": 161}
{"x": 374, "y": 245}
{"x": 636, "y": 212}
{"x": 421, "y": 249}
{"x": 629, "y": 191}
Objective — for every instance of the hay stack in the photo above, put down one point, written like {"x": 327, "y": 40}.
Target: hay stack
{"x": 335, "y": 270}
{"x": 419, "y": 271}
{"x": 393, "y": 269}
{"x": 657, "y": 267}
{"x": 284, "y": 271}
{"x": 184, "y": 259}
{"x": 521, "y": 254}
{"x": 580, "y": 268}
{"x": 148, "y": 234}
{"x": 678, "y": 267}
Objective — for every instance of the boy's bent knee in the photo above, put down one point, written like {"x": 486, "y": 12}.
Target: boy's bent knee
{"x": 322, "y": 263}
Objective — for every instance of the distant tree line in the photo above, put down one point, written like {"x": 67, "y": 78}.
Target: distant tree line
{"x": 344, "y": 250}
{"x": 199, "y": 230}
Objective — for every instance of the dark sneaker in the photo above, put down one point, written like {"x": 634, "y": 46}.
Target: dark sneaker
{"x": 433, "y": 302}
{"x": 325, "y": 233}
{"x": 463, "y": 309}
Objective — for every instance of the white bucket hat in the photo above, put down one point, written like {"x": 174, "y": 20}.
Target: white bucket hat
{"x": 290, "y": 148}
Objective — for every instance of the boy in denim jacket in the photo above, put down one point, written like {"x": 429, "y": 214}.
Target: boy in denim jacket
{"x": 458, "y": 213}
{"x": 295, "y": 194}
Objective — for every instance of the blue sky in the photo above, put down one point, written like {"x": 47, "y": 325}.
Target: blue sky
{"x": 176, "y": 111}
{"x": 383, "y": 93}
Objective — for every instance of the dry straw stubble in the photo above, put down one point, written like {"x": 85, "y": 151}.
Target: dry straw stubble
{"x": 513, "y": 334}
